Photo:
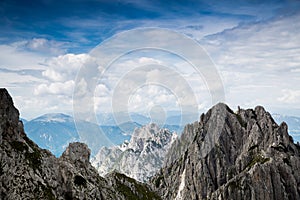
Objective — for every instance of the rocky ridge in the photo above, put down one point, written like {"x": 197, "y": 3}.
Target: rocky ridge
{"x": 29, "y": 172}
{"x": 227, "y": 155}
{"x": 141, "y": 157}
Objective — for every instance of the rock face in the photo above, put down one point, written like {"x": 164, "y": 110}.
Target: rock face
{"x": 28, "y": 172}
{"x": 227, "y": 155}
{"x": 141, "y": 157}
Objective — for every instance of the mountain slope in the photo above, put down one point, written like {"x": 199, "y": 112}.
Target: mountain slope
{"x": 141, "y": 157}
{"x": 227, "y": 155}
{"x": 52, "y": 131}
{"x": 29, "y": 172}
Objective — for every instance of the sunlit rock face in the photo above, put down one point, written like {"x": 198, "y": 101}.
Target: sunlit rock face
{"x": 141, "y": 157}
{"x": 228, "y": 155}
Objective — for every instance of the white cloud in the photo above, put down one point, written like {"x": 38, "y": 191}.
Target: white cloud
{"x": 28, "y": 54}
{"x": 146, "y": 79}
{"x": 259, "y": 62}
{"x": 35, "y": 76}
{"x": 57, "y": 88}
{"x": 263, "y": 46}
{"x": 61, "y": 75}
{"x": 81, "y": 88}
{"x": 290, "y": 96}
{"x": 13, "y": 57}
{"x": 65, "y": 67}
{"x": 21, "y": 64}
{"x": 147, "y": 60}
{"x": 44, "y": 46}
{"x": 101, "y": 90}
{"x": 151, "y": 95}
{"x": 11, "y": 79}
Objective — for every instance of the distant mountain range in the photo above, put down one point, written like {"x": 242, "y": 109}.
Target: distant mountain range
{"x": 172, "y": 118}
{"x": 54, "y": 131}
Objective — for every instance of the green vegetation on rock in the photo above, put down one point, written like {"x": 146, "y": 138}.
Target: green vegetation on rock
{"x": 257, "y": 159}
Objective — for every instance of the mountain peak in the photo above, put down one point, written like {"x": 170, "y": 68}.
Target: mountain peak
{"x": 231, "y": 155}
{"x": 10, "y": 126}
{"x": 220, "y": 105}
{"x": 54, "y": 117}
{"x": 77, "y": 152}
{"x": 8, "y": 112}
{"x": 139, "y": 158}
{"x": 148, "y": 133}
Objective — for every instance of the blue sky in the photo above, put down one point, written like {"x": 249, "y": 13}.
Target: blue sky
{"x": 80, "y": 24}
{"x": 255, "y": 46}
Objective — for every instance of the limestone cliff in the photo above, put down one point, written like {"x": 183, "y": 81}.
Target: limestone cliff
{"x": 227, "y": 155}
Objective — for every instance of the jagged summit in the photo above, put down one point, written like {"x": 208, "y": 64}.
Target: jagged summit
{"x": 232, "y": 155}
{"x": 10, "y": 127}
{"x": 77, "y": 152}
{"x": 142, "y": 138}
{"x": 139, "y": 158}
{"x": 7, "y": 110}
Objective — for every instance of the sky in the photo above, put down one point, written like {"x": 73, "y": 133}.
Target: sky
{"x": 254, "y": 47}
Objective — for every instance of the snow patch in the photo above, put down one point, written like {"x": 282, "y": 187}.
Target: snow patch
{"x": 54, "y": 117}
{"x": 124, "y": 145}
{"x": 179, "y": 195}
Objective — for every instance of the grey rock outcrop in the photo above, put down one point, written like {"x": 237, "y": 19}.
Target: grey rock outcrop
{"x": 227, "y": 155}
{"x": 28, "y": 172}
{"x": 141, "y": 157}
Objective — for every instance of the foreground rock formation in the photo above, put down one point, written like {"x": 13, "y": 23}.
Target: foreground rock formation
{"x": 28, "y": 172}
{"x": 227, "y": 155}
